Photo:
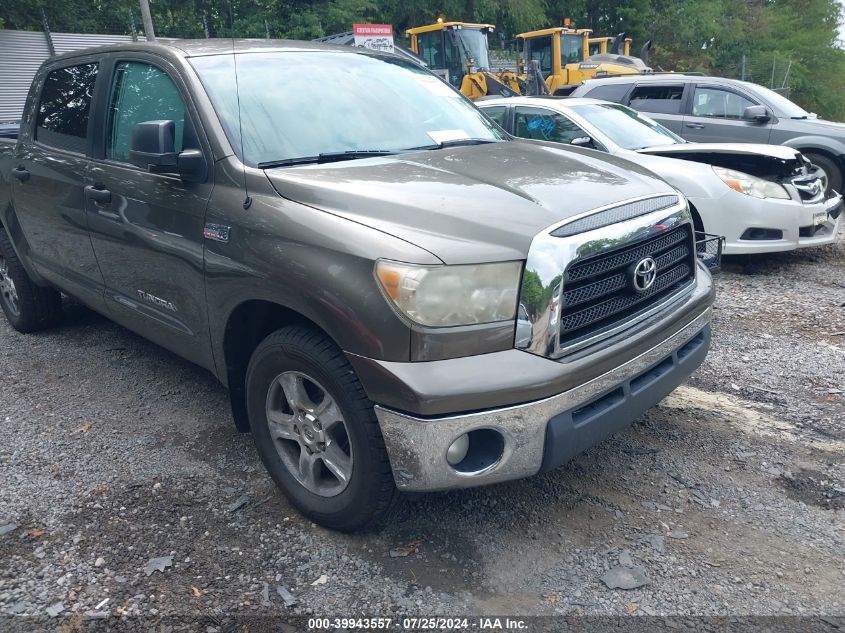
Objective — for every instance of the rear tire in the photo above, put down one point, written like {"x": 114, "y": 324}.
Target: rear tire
{"x": 832, "y": 174}
{"x": 27, "y": 306}
{"x": 316, "y": 431}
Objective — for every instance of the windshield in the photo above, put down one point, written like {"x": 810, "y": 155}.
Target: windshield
{"x": 301, "y": 104}
{"x": 474, "y": 44}
{"x": 782, "y": 106}
{"x": 625, "y": 127}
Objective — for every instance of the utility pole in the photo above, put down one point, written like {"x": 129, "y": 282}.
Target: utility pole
{"x": 266, "y": 29}
{"x": 47, "y": 35}
{"x": 743, "y": 66}
{"x": 132, "y": 26}
{"x": 147, "y": 18}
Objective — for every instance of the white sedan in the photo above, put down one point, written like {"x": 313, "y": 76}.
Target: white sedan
{"x": 762, "y": 198}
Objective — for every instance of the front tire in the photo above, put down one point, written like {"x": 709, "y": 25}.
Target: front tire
{"x": 28, "y": 307}
{"x": 316, "y": 431}
{"x": 828, "y": 170}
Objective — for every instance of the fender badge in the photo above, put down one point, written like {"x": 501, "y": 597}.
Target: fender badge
{"x": 216, "y": 232}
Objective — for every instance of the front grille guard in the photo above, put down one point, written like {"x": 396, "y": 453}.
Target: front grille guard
{"x": 550, "y": 257}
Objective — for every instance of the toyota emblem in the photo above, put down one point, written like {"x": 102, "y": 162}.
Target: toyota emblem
{"x": 645, "y": 272}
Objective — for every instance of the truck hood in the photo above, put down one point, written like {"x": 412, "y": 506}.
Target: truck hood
{"x": 469, "y": 204}
{"x": 769, "y": 161}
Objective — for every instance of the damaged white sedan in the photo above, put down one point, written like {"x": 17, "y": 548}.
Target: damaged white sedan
{"x": 762, "y": 198}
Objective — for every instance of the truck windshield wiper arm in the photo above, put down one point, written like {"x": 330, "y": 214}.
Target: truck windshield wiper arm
{"x": 326, "y": 157}
{"x": 334, "y": 157}
{"x": 456, "y": 142}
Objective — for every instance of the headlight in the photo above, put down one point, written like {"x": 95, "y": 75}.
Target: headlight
{"x": 751, "y": 185}
{"x": 442, "y": 296}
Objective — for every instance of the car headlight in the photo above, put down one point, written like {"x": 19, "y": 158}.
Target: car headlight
{"x": 443, "y": 296}
{"x": 751, "y": 185}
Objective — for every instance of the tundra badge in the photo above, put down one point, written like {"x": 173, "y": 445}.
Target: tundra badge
{"x": 216, "y": 232}
{"x": 156, "y": 301}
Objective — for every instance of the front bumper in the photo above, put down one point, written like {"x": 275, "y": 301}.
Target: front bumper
{"x": 735, "y": 213}
{"x": 542, "y": 434}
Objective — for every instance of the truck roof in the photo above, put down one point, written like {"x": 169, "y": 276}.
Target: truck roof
{"x": 211, "y": 46}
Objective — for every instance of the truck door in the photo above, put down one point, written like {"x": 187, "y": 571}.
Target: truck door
{"x": 49, "y": 172}
{"x": 147, "y": 228}
{"x": 715, "y": 116}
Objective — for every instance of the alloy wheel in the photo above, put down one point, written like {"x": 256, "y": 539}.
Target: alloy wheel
{"x": 8, "y": 292}
{"x": 309, "y": 433}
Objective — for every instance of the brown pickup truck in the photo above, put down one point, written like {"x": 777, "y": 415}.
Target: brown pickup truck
{"x": 398, "y": 295}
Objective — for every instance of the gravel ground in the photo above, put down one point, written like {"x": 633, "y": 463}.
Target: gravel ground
{"x": 728, "y": 498}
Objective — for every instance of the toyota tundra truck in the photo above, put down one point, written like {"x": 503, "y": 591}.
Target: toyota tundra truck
{"x": 398, "y": 295}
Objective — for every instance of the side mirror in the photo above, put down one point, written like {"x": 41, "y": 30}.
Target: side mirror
{"x": 153, "y": 148}
{"x": 582, "y": 141}
{"x": 756, "y": 113}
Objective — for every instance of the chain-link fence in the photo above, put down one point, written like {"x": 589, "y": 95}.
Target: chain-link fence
{"x": 772, "y": 71}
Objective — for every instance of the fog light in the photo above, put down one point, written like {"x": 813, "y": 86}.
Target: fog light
{"x": 458, "y": 450}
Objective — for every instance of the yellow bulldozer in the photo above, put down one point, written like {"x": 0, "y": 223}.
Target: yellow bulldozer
{"x": 554, "y": 60}
{"x": 458, "y": 52}
{"x": 567, "y": 56}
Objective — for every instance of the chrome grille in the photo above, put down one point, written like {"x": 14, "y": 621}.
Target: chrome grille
{"x": 620, "y": 213}
{"x": 598, "y": 292}
{"x": 809, "y": 187}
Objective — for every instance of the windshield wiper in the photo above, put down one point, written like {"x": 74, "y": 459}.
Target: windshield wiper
{"x": 455, "y": 142}
{"x": 333, "y": 157}
{"x": 326, "y": 157}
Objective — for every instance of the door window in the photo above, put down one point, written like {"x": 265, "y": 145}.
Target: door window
{"x": 497, "y": 113}
{"x": 141, "y": 92}
{"x": 545, "y": 125}
{"x": 540, "y": 48}
{"x": 719, "y": 104}
{"x": 660, "y": 99}
{"x": 431, "y": 49}
{"x": 571, "y": 49}
{"x": 65, "y": 107}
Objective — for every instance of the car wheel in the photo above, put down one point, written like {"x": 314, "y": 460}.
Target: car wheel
{"x": 828, "y": 171}
{"x": 316, "y": 430}
{"x": 28, "y": 307}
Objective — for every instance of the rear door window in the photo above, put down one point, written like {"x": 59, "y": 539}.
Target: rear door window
{"x": 545, "y": 125}
{"x": 661, "y": 99}
{"x": 141, "y": 92}
{"x": 609, "y": 92}
{"x": 65, "y": 107}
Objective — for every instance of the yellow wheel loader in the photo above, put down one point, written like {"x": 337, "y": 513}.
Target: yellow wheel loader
{"x": 563, "y": 55}
{"x": 458, "y": 52}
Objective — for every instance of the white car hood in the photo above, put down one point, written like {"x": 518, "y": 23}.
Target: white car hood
{"x": 779, "y": 152}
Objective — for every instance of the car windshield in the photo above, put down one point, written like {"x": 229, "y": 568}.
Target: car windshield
{"x": 782, "y": 106}
{"x": 625, "y": 127}
{"x": 297, "y": 106}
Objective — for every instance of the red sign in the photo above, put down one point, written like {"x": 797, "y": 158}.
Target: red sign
{"x": 372, "y": 30}
{"x": 375, "y": 36}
